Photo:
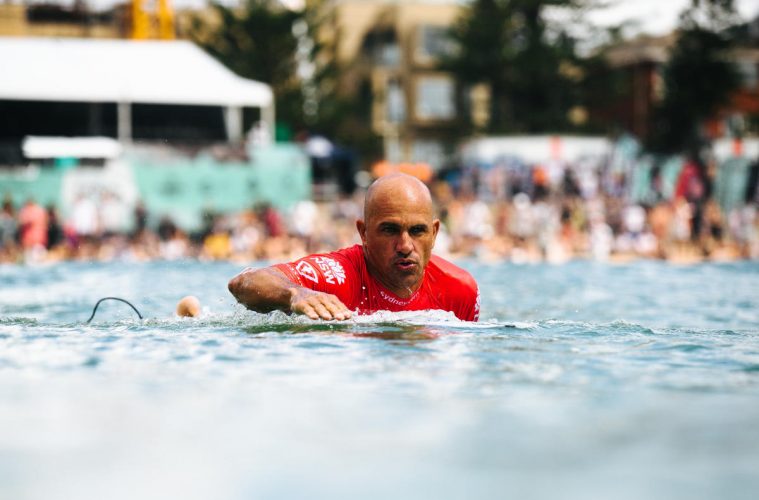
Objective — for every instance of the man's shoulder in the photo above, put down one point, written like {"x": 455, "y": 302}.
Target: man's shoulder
{"x": 352, "y": 253}
{"x": 336, "y": 268}
{"x": 456, "y": 286}
{"x": 445, "y": 271}
{"x": 347, "y": 254}
{"x": 350, "y": 257}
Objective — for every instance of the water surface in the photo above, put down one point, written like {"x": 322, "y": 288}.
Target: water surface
{"x": 581, "y": 381}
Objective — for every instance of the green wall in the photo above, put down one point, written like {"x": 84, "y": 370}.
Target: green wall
{"x": 42, "y": 184}
{"x": 184, "y": 188}
{"x": 280, "y": 175}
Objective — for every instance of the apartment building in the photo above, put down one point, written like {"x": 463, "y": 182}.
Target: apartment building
{"x": 392, "y": 49}
{"x": 51, "y": 20}
{"x": 641, "y": 61}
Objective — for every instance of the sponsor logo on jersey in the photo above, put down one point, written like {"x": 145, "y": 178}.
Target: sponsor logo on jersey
{"x": 393, "y": 300}
{"x": 331, "y": 269}
{"x": 398, "y": 302}
{"x": 307, "y": 271}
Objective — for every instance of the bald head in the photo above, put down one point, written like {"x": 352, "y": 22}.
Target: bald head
{"x": 398, "y": 232}
{"x": 396, "y": 187}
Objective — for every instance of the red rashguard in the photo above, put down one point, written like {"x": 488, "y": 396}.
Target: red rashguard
{"x": 343, "y": 273}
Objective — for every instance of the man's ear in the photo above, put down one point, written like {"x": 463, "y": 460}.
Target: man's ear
{"x": 435, "y": 227}
{"x": 361, "y": 227}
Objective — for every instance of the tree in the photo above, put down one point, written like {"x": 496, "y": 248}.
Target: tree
{"x": 530, "y": 66}
{"x": 255, "y": 40}
{"x": 698, "y": 79}
{"x": 264, "y": 41}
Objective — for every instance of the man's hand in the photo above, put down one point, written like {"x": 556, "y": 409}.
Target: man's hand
{"x": 317, "y": 305}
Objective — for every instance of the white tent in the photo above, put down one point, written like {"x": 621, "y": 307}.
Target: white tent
{"x": 534, "y": 149}
{"x": 126, "y": 72}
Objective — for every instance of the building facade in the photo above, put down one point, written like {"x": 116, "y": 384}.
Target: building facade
{"x": 50, "y": 20}
{"x": 392, "y": 50}
{"x": 641, "y": 61}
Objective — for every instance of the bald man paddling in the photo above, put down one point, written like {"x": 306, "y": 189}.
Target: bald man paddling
{"x": 392, "y": 270}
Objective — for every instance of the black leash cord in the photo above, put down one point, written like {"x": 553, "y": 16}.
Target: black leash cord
{"x": 113, "y": 298}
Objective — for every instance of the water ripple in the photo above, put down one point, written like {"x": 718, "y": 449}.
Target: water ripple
{"x": 597, "y": 376}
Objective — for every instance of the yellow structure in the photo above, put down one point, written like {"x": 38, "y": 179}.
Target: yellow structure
{"x": 165, "y": 20}
{"x": 147, "y": 25}
{"x": 140, "y": 21}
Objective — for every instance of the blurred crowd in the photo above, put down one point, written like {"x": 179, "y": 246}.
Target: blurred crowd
{"x": 508, "y": 210}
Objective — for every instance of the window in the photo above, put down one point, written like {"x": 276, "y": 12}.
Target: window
{"x": 395, "y": 103}
{"x": 748, "y": 74}
{"x": 432, "y": 43}
{"x": 388, "y": 54}
{"x": 393, "y": 150}
{"x": 434, "y": 98}
{"x": 382, "y": 47}
{"x": 428, "y": 151}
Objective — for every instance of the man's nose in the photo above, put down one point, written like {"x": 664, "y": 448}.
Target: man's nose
{"x": 404, "y": 245}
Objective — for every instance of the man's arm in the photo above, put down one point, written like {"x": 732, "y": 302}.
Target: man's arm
{"x": 267, "y": 289}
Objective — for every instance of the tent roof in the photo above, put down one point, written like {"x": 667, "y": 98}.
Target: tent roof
{"x": 155, "y": 72}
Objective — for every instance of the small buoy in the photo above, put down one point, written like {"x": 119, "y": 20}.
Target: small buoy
{"x": 188, "y": 307}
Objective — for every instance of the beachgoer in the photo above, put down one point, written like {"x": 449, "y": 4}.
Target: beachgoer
{"x": 55, "y": 234}
{"x": 32, "y": 221}
{"x": 392, "y": 270}
{"x": 84, "y": 216}
{"x": 8, "y": 224}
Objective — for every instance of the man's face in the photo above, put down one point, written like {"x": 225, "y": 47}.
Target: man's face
{"x": 398, "y": 235}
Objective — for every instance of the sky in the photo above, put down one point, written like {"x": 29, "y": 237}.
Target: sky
{"x": 658, "y": 17}
{"x": 654, "y": 17}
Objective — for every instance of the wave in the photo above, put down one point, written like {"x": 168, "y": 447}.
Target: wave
{"x": 280, "y": 321}
{"x": 618, "y": 325}
{"x": 277, "y": 321}
{"x": 18, "y": 321}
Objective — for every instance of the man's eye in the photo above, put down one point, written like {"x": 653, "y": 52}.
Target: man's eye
{"x": 416, "y": 231}
{"x": 388, "y": 230}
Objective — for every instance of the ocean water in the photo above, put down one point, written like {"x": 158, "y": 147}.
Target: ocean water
{"x": 581, "y": 381}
